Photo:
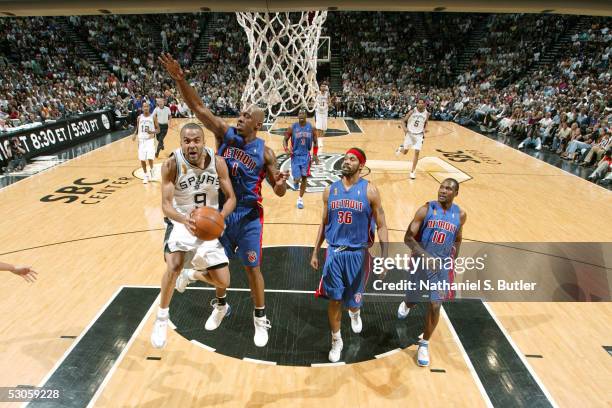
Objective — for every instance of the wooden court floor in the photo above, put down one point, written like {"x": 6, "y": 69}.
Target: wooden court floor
{"x": 89, "y": 227}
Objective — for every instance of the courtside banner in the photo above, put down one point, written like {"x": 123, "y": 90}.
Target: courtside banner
{"x": 495, "y": 272}
{"x": 58, "y": 135}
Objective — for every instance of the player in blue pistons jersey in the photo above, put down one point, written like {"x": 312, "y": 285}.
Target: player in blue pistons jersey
{"x": 249, "y": 161}
{"x": 349, "y": 207}
{"x": 303, "y": 139}
{"x": 434, "y": 235}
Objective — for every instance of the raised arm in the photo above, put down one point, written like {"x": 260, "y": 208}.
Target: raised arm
{"x": 275, "y": 177}
{"x": 226, "y": 186}
{"x": 314, "y": 260}
{"x": 379, "y": 218}
{"x": 208, "y": 119}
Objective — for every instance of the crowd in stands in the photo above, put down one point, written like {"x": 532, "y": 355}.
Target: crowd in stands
{"x": 179, "y": 34}
{"x": 565, "y": 106}
{"x": 223, "y": 75}
{"x": 43, "y": 77}
{"x": 512, "y": 43}
{"x": 388, "y": 59}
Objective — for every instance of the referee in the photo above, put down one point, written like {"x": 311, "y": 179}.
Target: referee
{"x": 163, "y": 118}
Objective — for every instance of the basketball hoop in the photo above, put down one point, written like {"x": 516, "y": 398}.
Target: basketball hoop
{"x": 282, "y": 59}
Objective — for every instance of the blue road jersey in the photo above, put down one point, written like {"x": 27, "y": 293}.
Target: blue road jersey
{"x": 349, "y": 215}
{"x": 439, "y": 229}
{"x": 245, "y": 162}
{"x": 301, "y": 140}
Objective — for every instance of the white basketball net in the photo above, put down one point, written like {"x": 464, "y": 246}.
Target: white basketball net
{"x": 282, "y": 59}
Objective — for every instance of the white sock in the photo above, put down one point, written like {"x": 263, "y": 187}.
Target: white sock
{"x": 163, "y": 313}
{"x": 336, "y": 335}
{"x": 424, "y": 342}
{"x": 353, "y": 314}
{"x": 191, "y": 274}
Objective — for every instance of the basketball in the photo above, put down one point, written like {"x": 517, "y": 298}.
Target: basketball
{"x": 209, "y": 223}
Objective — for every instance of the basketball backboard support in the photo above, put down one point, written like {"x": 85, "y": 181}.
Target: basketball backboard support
{"x": 324, "y": 50}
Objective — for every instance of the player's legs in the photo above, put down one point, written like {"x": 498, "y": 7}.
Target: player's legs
{"x": 334, "y": 287}
{"x": 304, "y": 172}
{"x": 354, "y": 275}
{"x": 174, "y": 265}
{"x": 219, "y": 277}
{"x": 431, "y": 321}
{"x": 334, "y": 315}
{"x": 163, "y": 130}
{"x": 146, "y": 153}
{"x": 261, "y": 323}
{"x": 150, "y": 153}
{"x": 257, "y": 286}
{"x": 249, "y": 249}
{"x": 433, "y": 308}
{"x": 418, "y": 145}
{"x": 296, "y": 173}
{"x": 415, "y": 160}
{"x": 210, "y": 265}
{"x": 406, "y": 145}
{"x": 303, "y": 184}
{"x": 320, "y": 127}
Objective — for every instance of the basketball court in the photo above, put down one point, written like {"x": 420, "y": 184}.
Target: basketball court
{"x": 94, "y": 232}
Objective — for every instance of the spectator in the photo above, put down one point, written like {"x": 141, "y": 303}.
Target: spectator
{"x": 602, "y": 172}
{"x": 17, "y": 156}
{"x": 597, "y": 151}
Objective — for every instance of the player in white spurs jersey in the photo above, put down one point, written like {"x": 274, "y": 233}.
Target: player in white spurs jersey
{"x": 413, "y": 125}
{"x": 321, "y": 111}
{"x": 146, "y": 129}
{"x": 191, "y": 178}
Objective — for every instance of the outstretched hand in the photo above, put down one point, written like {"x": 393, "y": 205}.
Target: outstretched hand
{"x": 26, "y": 272}
{"x": 172, "y": 66}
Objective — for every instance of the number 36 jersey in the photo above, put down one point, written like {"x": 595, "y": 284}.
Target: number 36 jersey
{"x": 348, "y": 215}
{"x": 195, "y": 187}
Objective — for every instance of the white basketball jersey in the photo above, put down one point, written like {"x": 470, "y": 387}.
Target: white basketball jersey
{"x": 195, "y": 187}
{"x": 321, "y": 103}
{"x": 416, "y": 122}
{"x": 145, "y": 123}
